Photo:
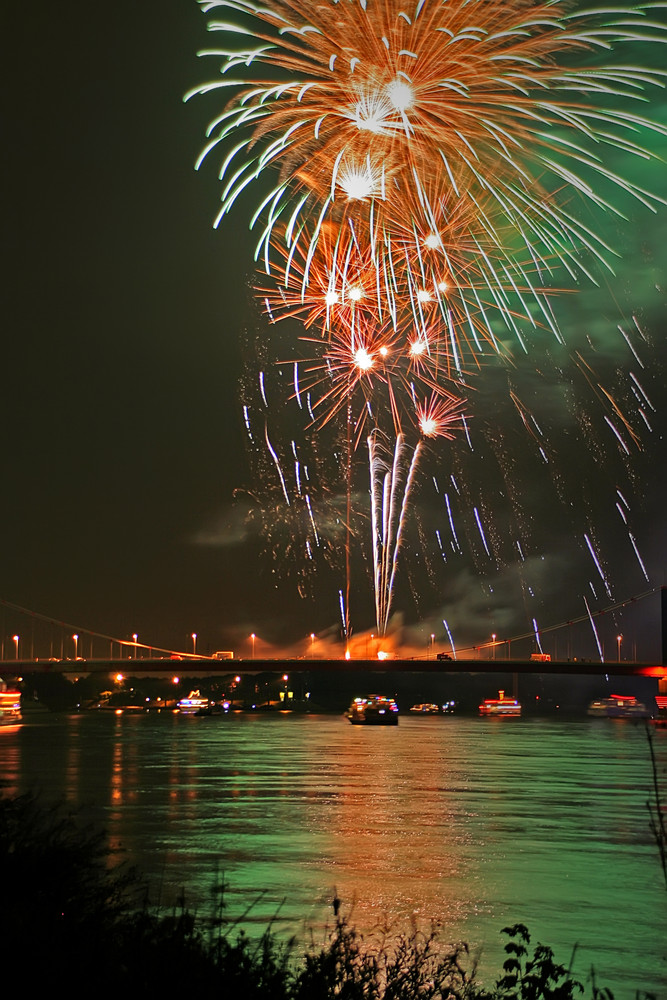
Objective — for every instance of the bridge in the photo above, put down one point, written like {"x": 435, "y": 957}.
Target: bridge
{"x": 201, "y": 666}
{"x": 41, "y": 644}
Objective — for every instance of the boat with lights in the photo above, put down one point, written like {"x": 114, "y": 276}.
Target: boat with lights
{"x": 500, "y": 706}
{"x": 429, "y": 708}
{"x": 426, "y": 708}
{"x": 194, "y": 704}
{"x": 618, "y": 706}
{"x": 10, "y": 705}
{"x": 375, "y": 710}
{"x": 661, "y": 718}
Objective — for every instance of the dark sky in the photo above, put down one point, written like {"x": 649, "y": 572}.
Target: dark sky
{"x": 126, "y": 321}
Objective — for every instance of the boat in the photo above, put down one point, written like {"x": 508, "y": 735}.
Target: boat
{"x": 10, "y": 704}
{"x": 618, "y": 706}
{"x": 376, "y": 710}
{"x": 214, "y": 708}
{"x": 501, "y": 706}
{"x": 661, "y": 718}
{"x": 429, "y": 708}
{"x": 194, "y": 704}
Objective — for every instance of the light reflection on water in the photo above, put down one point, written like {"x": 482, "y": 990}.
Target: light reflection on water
{"x": 476, "y": 823}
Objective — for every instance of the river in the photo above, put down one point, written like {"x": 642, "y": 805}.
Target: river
{"x": 473, "y": 823}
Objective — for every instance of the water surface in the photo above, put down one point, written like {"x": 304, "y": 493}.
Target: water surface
{"x": 475, "y": 823}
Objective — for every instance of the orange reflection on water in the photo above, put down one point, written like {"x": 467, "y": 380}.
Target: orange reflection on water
{"x": 397, "y": 851}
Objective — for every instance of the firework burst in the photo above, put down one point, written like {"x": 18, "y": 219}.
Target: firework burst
{"x": 353, "y": 102}
{"x": 425, "y": 163}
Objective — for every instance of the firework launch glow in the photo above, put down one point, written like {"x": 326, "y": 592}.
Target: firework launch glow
{"x": 434, "y": 171}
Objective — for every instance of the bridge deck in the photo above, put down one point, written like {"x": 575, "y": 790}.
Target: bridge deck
{"x": 205, "y": 665}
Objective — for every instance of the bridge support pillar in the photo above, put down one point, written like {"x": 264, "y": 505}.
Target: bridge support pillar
{"x": 662, "y": 681}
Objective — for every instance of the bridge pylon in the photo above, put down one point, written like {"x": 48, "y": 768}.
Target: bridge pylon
{"x": 662, "y": 681}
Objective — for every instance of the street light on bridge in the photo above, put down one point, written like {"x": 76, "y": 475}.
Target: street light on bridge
{"x": 194, "y": 643}
{"x": 619, "y": 639}
{"x": 135, "y": 639}
{"x": 252, "y": 639}
{"x": 16, "y": 644}
{"x": 76, "y": 645}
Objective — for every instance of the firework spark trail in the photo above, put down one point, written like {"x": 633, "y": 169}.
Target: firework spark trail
{"x": 481, "y": 531}
{"x": 595, "y": 631}
{"x": 626, "y": 338}
{"x": 451, "y": 523}
{"x": 450, "y": 637}
{"x": 597, "y": 565}
{"x": 343, "y": 613}
{"x": 617, "y": 434}
{"x": 246, "y": 420}
{"x": 639, "y": 558}
{"x": 390, "y": 490}
{"x": 312, "y": 519}
{"x": 537, "y": 635}
{"x": 276, "y": 460}
{"x": 262, "y": 389}
{"x": 641, "y": 391}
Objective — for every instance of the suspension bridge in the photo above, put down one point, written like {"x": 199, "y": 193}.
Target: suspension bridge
{"x": 34, "y": 642}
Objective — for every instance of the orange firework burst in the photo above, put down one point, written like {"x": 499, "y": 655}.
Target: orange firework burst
{"x": 378, "y": 372}
{"x": 359, "y": 99}
{"x": 331, "y": 281}
{"x": 440, "y": 416}
{"x": 434, "y": 281}
{"x": 378, "y": 330}
{"x": 360, "y": 363}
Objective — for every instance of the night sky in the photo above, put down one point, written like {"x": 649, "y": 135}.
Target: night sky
{"x": 130, "y": 343}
